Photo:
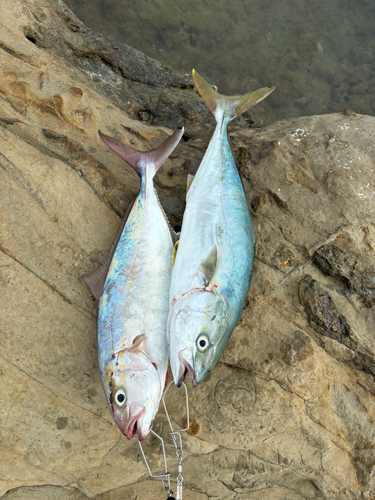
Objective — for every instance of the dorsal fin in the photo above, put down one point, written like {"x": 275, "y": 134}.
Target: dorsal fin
{"x": 175, "y": 236}
{"x": 95, "y": 278}
{"x": 139, "y": 160}
{"x": 174, "y": 253}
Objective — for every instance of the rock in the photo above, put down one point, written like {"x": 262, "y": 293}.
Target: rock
{"x": 351, "y": 257}
{"x": 288, "y": 412}
{"x": 325, "y": 319}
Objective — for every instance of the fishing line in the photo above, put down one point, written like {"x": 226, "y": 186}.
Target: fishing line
{"x": 177, "y": 443}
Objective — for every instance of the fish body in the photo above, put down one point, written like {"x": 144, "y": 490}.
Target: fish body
{"x": 213, "y": 263}
{"x": 133, "y": 306}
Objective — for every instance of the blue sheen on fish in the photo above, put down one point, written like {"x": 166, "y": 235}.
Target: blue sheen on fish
{"x": 214, "y": 259}
{"x": 133, "y": 303}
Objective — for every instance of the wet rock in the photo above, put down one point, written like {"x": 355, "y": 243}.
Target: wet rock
{"x": 351, "y": 257}
{"x": 323, "y": 314}
{"x": 332, "y": 260}
{"x": 325, "y": 318}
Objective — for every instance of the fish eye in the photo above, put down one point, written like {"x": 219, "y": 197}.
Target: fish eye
{"x": 120, "y": 398}
{"x": 213, "y": 317}
{"x": 202, "y": 343}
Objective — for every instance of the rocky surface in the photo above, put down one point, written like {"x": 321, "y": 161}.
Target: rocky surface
{"x": 288, "y": 413}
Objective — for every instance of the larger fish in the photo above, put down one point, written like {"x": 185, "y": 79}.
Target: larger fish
{"x": 133, "y": 306}
{"x": 213, "y": 264}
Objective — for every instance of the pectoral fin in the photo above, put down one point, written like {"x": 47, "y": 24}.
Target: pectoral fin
{"x": 207, "y": 268}
{"x": 137, "y": 342}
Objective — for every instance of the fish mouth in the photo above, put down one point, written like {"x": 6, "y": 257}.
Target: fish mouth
{"x": 185, "y": 366}
{"x": 131, "y": 424}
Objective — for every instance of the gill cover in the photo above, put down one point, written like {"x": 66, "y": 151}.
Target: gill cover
{"x": 198, "y": 333}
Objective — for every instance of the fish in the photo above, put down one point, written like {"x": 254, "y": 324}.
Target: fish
{"x": 214, "y": 259}
{"x": 132, "y": 286}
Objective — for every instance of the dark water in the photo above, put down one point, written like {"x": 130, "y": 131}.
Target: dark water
{"x": 318, "y": 53}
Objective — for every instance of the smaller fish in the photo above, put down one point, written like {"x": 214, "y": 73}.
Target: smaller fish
{"x": 132, "y": 286}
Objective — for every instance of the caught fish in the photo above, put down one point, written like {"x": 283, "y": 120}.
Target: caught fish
{"x": 214, "y": 259}
{"x": 132, "y": 285}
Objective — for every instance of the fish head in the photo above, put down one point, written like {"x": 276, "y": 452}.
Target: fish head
{"x": 198, "y": 331}
{"x": 134, "y": 389}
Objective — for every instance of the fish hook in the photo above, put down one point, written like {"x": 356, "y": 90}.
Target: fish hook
{"x": 177, "y": 442}
{"x": 166, "y": 475}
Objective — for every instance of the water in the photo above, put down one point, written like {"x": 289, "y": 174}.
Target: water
{"x": 318, "y": 53}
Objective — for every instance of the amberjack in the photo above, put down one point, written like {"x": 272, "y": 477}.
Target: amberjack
{"x": 132, "y": 285}
{"x": 214, "y": 259}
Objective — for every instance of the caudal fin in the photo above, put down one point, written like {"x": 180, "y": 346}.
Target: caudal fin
{"x": 138, "y": 160}
{"x": 231, "y": 106}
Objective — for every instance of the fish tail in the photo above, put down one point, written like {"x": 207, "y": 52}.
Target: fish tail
{"x": 139, "y": 160}
{"x": 230, "y": 106}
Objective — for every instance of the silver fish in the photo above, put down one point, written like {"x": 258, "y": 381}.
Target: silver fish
{"x": 213, "y": 263}
{"x": 133, "y": 305}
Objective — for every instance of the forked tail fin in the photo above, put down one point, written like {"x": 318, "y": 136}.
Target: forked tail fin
{"x": 230, "y": 106}
{"x": 139, "y": 160}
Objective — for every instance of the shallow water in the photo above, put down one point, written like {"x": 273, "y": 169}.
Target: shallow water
{"x": 319, "y": 54}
